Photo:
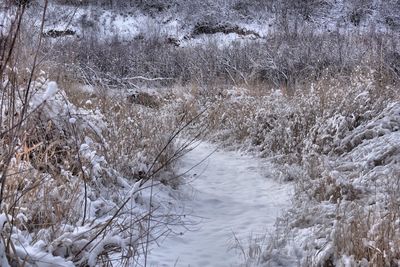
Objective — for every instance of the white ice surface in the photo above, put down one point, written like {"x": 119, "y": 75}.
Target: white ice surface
{"x": 227, "y": 193}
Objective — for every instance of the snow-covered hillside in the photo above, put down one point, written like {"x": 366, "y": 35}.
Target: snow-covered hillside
{"x": 186, "y": 23}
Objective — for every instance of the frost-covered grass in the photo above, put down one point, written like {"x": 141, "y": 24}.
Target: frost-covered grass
{"x": 80, "y": 157}
{"x": 78, "y": 165}
{"x": 78, "y": 187}
{"x": 347, "y": 203}
{"x": 337, "y": 140}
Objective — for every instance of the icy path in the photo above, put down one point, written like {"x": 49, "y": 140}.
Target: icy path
{"x": 227, "y": 193}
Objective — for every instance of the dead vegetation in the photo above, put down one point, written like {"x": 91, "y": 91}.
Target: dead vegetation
{"x": 337, "y": 139}
{"x": 317, "y": 103}
{"x": 76, "y": 162}
{"x": 206, "y": 28}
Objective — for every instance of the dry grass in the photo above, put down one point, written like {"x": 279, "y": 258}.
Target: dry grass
{"x": 137, "y": 133}
{"x": 280, "y": 106}
{"x": 63, "y": 163}
{"x": 370, "y": 233}
{"x": 305, "y": 129}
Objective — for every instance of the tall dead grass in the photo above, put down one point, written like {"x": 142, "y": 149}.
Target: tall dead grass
{"x": 70, "y": 163}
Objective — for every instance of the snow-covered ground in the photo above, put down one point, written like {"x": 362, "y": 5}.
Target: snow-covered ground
{"x": 227, "y": 196}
